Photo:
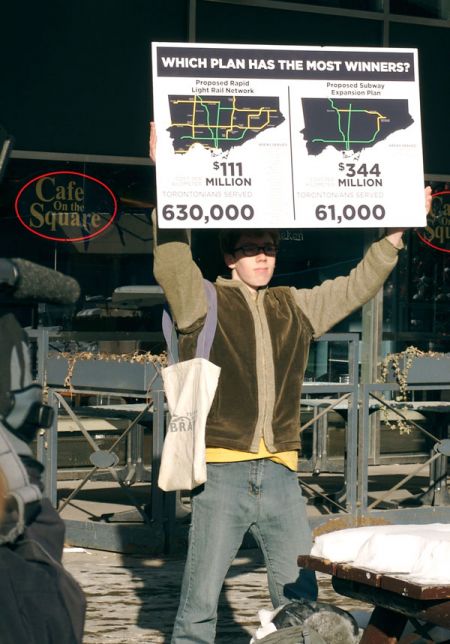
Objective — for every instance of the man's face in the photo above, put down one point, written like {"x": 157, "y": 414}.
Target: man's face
{"x": 255, "y": 271}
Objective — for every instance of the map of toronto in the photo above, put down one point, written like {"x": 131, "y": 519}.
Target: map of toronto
{"x": 220, "y": 123}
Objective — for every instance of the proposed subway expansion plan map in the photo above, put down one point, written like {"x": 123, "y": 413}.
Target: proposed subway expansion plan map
{"x": 351, "y": 124}
{"x": 220, "y": 123}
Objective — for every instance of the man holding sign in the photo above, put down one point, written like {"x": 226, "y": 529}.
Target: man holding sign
{"x": 252, "y": 435}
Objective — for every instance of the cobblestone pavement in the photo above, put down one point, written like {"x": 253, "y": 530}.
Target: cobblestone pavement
{"x": 134, "y": 599}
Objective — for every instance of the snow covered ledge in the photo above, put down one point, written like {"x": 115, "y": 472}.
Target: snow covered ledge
{"x": 419, "y": 552}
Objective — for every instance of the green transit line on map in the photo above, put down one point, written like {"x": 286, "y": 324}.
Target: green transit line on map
{"x": 339, "y": 123}
{"x": 349, "y": 118}
{"x": 194, "y": 107}
{"x": 217, "y": 126}
{"x": 346, "y": 139}
{"x": 208, "y": 118}
{"x": 215, "y": 137}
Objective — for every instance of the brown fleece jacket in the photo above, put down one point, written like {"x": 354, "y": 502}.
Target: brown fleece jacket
{"x": 260, "y": 344}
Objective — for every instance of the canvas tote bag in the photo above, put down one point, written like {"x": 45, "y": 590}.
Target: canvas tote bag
{"x": 189, "y": 387}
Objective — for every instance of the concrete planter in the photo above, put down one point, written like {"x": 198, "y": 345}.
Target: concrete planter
{"x": 426, "y": 370}
{"x": 104, "y": 375}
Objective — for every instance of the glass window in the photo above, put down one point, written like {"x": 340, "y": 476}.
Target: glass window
{"x": 91, "y": 221}
{"x": 361, "y": 5}
{"x": 421, "y": 8}
{"x": 433, "y": 44}
{"x": 260, "y": 25}
{"x": 417, "y": 294}
{"x": 358, "y": 5}
{"x": 88, "y": 90}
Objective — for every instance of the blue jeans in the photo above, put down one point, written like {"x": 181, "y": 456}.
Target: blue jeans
{"x": 263, "y": 497}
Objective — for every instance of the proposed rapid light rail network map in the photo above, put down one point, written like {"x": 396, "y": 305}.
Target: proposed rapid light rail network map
{"x": 220, "y": 122}
{"x": 351, "y": 125}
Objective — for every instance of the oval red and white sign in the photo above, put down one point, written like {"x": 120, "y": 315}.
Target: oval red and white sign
{"x": 66, "y": 206}
{"x": 437, "y": 232}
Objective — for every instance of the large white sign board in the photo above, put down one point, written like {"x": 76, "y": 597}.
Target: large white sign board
{"x": 286, "y": 137}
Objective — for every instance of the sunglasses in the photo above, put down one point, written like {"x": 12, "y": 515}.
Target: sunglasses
{"x": 251, "y": 250}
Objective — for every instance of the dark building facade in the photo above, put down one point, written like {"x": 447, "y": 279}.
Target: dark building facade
{"x": 76, "y": 95}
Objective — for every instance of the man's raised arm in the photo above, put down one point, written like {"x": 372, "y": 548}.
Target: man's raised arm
{"x": 175, "y": 270}
{"x": 330, "y": 302}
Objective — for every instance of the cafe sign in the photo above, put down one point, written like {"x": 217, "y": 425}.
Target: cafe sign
{"x": 66, "y": 206}
{"x": 437, "y": 232}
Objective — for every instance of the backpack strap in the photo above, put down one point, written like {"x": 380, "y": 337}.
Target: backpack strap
{"x": 170, "y": 336}
{"x": 206, "y": 336}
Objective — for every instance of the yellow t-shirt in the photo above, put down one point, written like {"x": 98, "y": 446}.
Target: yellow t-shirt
{"x": 222, "y": 455}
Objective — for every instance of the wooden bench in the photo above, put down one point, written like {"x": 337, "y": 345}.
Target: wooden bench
{"x": 396, "y": 599}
